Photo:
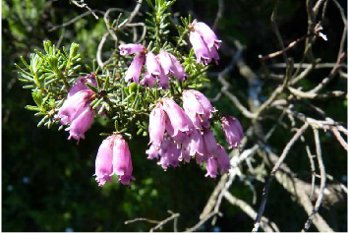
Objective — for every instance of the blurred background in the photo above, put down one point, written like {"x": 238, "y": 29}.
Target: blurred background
{"x": 47, "y": 182}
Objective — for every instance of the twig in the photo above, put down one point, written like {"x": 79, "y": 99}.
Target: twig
{"x": 201, "y": 222}
{"x": 273, "y": 173}
{"x": 173, "y": 216}
{"x": 266, "y": 224}
{"x": 221, "y": 7}
{"x": 339, "y": 138}
{"x": 323, "y": 179}
{"x": 141, "y": 220}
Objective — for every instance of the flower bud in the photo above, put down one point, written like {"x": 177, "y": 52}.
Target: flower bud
{"x": 171, "y": 65}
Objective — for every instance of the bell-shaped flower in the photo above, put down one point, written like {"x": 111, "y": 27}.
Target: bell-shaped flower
{"x": 122, "y": 164}
{"x": 148, "y": 80}
{"x": 207, "y": 34}
{"x": 204, "y": 42}
{"x": 233, "y": 130}
{"x": 103, "y": 162}
{"x": 153, "y": 152}
{"x": 154, "y": 68}
{"x": 223, "y": 159}
{"x": 134, "y": 71}
{"x": 127, "y": 49}
{"x": 212, "y": 167}
{"x": 177, "y": 117}
{"x": 81, "y": 124}
{"x": 197, "y": 107}
{"x": 169, "y": 154}
{"x": 74, "y": 105}
{"x": 209, "y": 142}
{"x": 80, "y": 84}
{"x": 196, "y": 144}
{"x": 156, "y": 127}
{"x": 171, "y": 65}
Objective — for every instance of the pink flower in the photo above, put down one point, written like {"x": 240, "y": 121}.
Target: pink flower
{"x": 204, "y": 42}
{"x": 207, "y": 34}
{"x": 223, "y": 159}
{"x": 209, "y": 142}
{"x": 127, "y": 49}
{"x": 148, "y": 80}
{"x": 80, "y": 84}
{"x": 169, "y": 154}
{"x": 156, "y": 125}
{"x": 81, "y": 124}
{"x": 171, "y": 65}
{"x": 77, "y": 112}
{"x": 233, "y": 130}
{"x": 196, "y": 144}
{"x": 122, "y": 164}
{"x": 134, "y": 71}
{"x": 212, "y": 167}
{"x": 177, "y": 117}
{"x": 153, "y": 152}
{"x": 103, "y": 163}
{"x": 155, "y": 69}
{"x": 198, "y": 108}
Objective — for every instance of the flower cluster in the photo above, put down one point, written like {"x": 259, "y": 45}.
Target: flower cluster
{"x": 158, "y": 67}
{"x": 76, "y": 110}
{"x": 179, "y": 134}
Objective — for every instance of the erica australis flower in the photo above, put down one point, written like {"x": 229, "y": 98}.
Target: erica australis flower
{"x": 169, "y": 154}
{"x": 223, "y": 159}
{"x": 156, "y": 125}
{"x": 148, "y": 80}
{"x": 122, "y": 164}
{"x": 76, "y": 110}
{"x": 171, "y": 65}
{"x": 103, "y": 163}
{"x": 212, "y": 167}
{"x": 204, "y": 42}
{"x": 134, "y": 71}
{"x": 155, "y": 69}
{"x": 113, "y": 157}
{"x": 127, "y": 49}
{"x": 177, "y": 117}
{"x": 80, "y": 84}
{"x": 197, "y": 107}
{"x": 233, "y": 130}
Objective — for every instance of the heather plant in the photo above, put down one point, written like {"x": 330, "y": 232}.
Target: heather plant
{"x": 149, "y": 86}
{"x": 228, "y": 117}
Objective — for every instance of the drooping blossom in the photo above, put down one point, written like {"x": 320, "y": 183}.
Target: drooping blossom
{"x": 177, "y": 117}
{"x": 171, "y": 65}
{"x": 155, "y": 69}
{"x": 134, "y": 71}
{"x": 209, "y": 142}
{"x": 81, "y": 124}
{"x": 156, "y": 127}
{"x": 76, "y": 110}
{"x": 233, "y": 130}
{"x": 212, "y": 167}
{"x": 223, "y": 159}
{"x": 80, "y": 84}
{"x": 204, "y": 42}
{"x": 103, "y": 162}
{"x": 169, "y": 154}
{"x": 122, "y": 164}
{"x": 198, "y": 108}
{"x": 128, "y": 49}
{"x": 148, "y": 80}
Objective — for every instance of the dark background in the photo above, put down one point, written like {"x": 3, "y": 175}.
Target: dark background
{"x": 47, "y": 182}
